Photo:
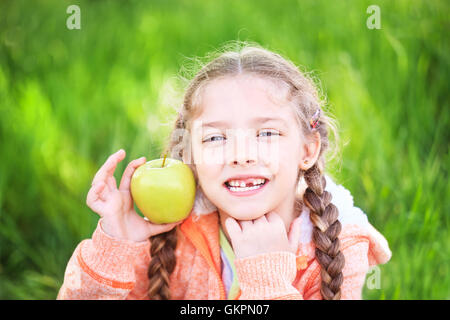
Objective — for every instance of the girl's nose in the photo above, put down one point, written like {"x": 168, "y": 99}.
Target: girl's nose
{"x": 247, "y": 162}
{"x": 242, "y": 151}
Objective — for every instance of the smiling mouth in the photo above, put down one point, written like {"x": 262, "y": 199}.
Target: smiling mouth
{"x": 243, "y": 187}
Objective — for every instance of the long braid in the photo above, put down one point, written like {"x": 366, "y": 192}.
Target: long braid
{"x": 324, "y": 216}
{"x": 162, "y": 248}
{"x": 162, "y": 264}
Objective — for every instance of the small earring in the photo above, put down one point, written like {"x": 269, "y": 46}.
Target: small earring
{"x": 305, "y": 163}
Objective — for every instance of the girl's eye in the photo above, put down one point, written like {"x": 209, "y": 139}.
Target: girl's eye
{"x": 269, "y": 133}
{"x": 213, "y": 138}
{"x": 262, "y": 133}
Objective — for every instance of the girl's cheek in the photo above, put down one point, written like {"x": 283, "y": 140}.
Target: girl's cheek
{"x": 281, "y": 155}
{"x": 206, "y": 172}
{"x": 213, "y": 156}
{"x": 270, "y": 156}
{"x": 205, "y": 153}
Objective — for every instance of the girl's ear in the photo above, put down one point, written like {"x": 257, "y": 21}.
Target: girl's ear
{"x": 311, "y": 151}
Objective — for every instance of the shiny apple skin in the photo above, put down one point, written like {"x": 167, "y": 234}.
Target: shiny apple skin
{"x": 164, "y": 195}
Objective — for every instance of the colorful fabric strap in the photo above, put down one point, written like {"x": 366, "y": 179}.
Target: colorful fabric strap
{"x": 228, "y": 270}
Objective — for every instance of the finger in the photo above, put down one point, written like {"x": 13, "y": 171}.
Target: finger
{"x": 245, "y": 224}
{"x": 111, "y": 182}
{"x": 273, "y": 217}
{"x": 232, "y": 227}
{"x": 294, "y": 235}
{"x": 95, "y": 192}
{"x": 128, "y": 173}
{"x": 107, "y": 169}
{"x": 155, "y": 229}
{"x": 260, "y": 220}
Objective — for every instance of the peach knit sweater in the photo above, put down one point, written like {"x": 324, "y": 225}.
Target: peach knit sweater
{"x": 107, "y": 268}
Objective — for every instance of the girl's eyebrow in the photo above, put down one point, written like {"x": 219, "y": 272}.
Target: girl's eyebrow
{"x": 258, "y": 120}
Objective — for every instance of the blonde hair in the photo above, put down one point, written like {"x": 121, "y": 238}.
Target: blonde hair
{"x": 237, "y": 58}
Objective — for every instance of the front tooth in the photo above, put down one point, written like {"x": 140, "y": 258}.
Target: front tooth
{"x": 241, "y": 184}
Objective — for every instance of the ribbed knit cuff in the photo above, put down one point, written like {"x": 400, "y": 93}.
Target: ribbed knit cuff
{"x": 107, "y": 255}
{"x": 267, "y": 276}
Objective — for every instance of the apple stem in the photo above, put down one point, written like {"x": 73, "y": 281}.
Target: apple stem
{"x": 164, "y": 160}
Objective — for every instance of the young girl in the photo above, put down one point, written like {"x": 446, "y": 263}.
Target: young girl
{"x": 267, "y": 223}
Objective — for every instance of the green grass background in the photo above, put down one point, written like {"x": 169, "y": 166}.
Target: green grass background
{"x": 69, "y": 98}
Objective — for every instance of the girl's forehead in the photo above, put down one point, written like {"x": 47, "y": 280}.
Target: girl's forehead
{"x": 243, "y": 95}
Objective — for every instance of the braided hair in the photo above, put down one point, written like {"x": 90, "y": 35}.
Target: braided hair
{"x": 324, "y": 216}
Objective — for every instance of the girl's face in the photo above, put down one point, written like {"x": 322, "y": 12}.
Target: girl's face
{"x": 247, "y": 132}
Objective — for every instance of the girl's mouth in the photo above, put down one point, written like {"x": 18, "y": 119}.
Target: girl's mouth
{"x": 249, "y": 188}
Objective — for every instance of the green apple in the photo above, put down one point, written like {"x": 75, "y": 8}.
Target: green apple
{"x": 164, "y": 190}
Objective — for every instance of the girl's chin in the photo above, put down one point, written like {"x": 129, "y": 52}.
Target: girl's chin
{"x": 246, "y": 214}
{"x": 240, "y": 209}
{"x": 247, "y": 218}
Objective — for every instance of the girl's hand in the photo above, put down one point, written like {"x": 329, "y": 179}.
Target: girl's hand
{"x": 263, "y": 235}
{"x": 116, "y": 207}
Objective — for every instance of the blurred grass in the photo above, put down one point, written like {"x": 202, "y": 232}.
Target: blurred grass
{"x": 69, "y": 98}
